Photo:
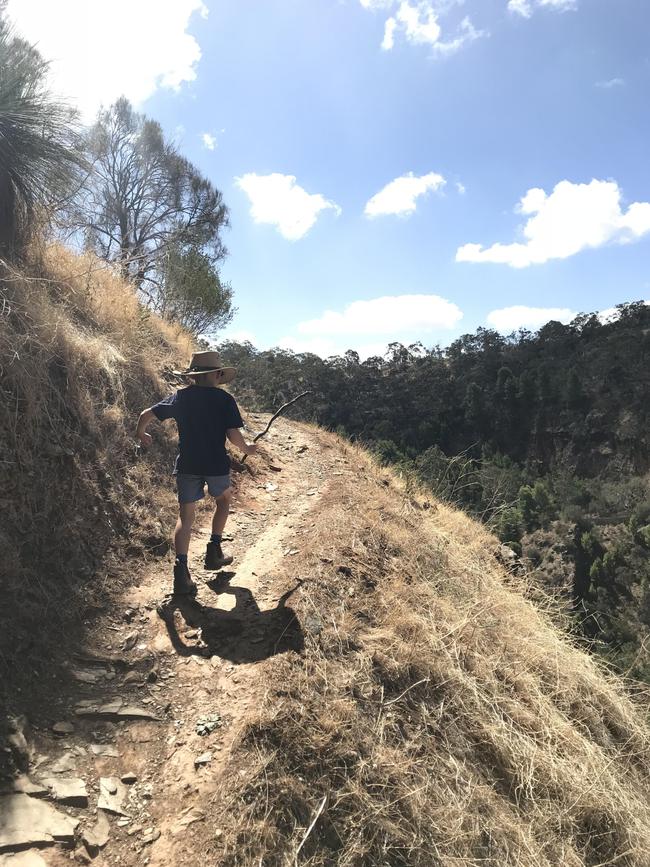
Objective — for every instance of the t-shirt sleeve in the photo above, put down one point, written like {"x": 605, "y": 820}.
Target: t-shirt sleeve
{"x": 232, "y": 415}
{"x": 166, "y": 408}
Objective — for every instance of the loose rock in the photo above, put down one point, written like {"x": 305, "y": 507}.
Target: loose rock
{"x": 68, "y": 790}
{"x": 22, "y": 859}
{"x": 63, "y": 728}
{"x": 64, "y": 764}
{"x": 187, "y": 818}
{"x": 23, "y": 785}
{"x": 150, "y": 836}
{"x": 203, "y": 759}
{"x": 106, "y": 750}
{"x": 30, "y": 822}
{"x": 97, "y": 836}
{"x": 112, "y": 794}
{"x": 205, "y": 725}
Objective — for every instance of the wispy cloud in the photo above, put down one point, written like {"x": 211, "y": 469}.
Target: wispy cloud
{"x": 400, "y": 196}
{"x": 572, "y": 218}
{"x": 155, "y": 48}
{"x": 611, "y": 83}
{"x": 279, "y": 201}
{"x": 525, "y": 8}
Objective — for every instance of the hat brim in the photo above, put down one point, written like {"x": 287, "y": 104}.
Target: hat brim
{"x": 229, "y": 373}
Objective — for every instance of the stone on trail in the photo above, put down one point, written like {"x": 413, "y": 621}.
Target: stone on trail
{"x": 105, "y": 750}
{"x": 187, "y": 818}
{"x": 22, "y": 785}
{"x": 25, "y": 822}
{"x": 115, "y": 710}
{"x": 97, "y": 836}
{"x": 68, "y": 790}
{"x": 112, "y": 795}
{"x": 63, "y": 765}
{"x": 129, "y": 778}
{"x": 22, "y": 859}
{"x": 205, "y": 725}
{"x": 63, "y": 728}
{"x": 150, "y": 836}
{"x": 203, "y": 759}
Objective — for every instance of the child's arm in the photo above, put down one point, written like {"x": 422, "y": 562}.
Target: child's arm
{"x": 146, "y": 417}
{"x": 236, "y": 438}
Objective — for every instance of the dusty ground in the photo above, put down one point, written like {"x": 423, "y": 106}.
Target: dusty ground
{"x": 193, "y": 666}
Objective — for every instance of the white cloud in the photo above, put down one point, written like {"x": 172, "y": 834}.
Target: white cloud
{"x": 209, "y": 141}
{"x": 400, "y": 196}
{"x": 574, "y": 217}
{"x": 278, "y": 200}
{"x": 525, "y": 8}
{"x": 99, "y": 53}
{"x": 418, "y": 21}
{"x": 389, "y": 34}
{"x": 461, "y": 188}
{"x": 368, "y": 327}
{"x": 391, "y": 315}
{"x": 467, "y": 33}
{"x": 509, "y": 319}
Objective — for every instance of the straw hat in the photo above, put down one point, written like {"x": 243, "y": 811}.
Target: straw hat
{"x": 207, "y": 362}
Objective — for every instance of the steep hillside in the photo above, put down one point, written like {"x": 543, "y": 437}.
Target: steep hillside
{"x": 366, "y": 686}
{"x": 79, "y": 359}
{"x": 436, "y": 715}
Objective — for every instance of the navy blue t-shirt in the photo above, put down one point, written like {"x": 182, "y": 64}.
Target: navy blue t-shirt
{"x": 203, "y": 415}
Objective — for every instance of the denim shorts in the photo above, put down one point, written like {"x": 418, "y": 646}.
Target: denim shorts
{"x": 192, "y": 488}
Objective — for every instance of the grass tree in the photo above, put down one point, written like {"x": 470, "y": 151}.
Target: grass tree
{"x": 39, "y": 159}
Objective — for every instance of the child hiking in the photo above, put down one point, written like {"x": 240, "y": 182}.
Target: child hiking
{"x": 205, "y": 415}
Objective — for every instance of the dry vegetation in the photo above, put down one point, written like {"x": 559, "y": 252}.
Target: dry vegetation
{"x": 436, "y": 717}
{"x": 79, "y": 359}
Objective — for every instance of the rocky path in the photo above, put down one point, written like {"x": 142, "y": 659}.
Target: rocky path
{"x": 164, "y": 688}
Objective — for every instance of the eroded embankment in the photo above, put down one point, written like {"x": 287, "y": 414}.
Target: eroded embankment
{"x": 79, "y": 359}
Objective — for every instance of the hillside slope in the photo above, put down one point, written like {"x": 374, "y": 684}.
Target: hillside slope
{"x": 79, "y": 359}
{"x": 366, "y": 687}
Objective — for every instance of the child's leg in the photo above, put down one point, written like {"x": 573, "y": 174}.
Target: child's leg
{"x": 221, "y": 512}
{"x": 183, "y": 531}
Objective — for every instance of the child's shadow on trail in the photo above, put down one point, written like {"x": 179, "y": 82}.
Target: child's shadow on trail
{"x": 243, "y": 634}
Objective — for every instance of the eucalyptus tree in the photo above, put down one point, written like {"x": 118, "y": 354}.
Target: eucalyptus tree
{"x": 150, "y": 211}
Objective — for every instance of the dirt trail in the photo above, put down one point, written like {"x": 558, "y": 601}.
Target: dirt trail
{"x": 197, "y": 667}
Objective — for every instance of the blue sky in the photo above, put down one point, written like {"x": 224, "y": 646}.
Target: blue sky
{"x": 514, "y": 135}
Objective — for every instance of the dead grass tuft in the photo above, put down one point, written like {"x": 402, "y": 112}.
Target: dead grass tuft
{"x": 79, "y": 359}
{"x": 439, "y": 716}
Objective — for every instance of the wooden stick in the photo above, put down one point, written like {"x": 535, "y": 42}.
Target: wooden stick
{"x": 273, "y": 418}
{"x": 319, "y": 811}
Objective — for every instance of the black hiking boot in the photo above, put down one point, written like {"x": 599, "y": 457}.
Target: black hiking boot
{"x": 214, "y": 558}
{"x": 183, "y": 584}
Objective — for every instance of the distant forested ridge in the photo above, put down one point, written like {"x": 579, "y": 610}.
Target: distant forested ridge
{"x": 545, "y": 435}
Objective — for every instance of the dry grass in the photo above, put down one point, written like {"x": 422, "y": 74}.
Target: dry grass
{"x": 444, "y": 718}
{"x": 79, "y": 359}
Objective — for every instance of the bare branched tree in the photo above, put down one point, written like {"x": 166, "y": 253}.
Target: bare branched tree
{"x": 147, "y": 209}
